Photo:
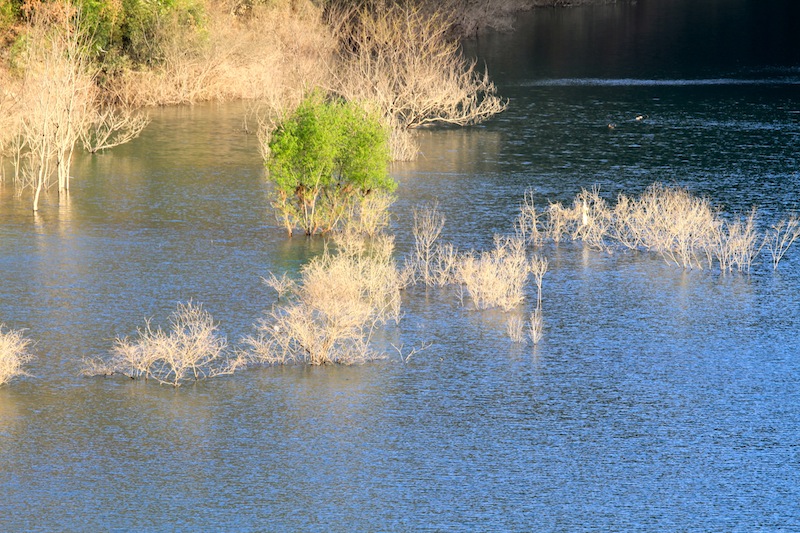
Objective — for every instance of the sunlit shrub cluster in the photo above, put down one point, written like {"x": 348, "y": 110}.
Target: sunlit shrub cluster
{"x": 331, "y": 313}
{"x": 14, "y": 353}
{"x": 491, "y": 278}
{"x": 191, "y": 350}
{"x": 682, "y": 228}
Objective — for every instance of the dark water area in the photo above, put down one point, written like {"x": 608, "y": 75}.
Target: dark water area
{"x": 663, "y": 40}
{"x": 658, "y": 399}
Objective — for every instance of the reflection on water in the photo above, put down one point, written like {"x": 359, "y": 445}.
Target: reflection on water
{"x": 658, "y": 399}
{"x": 631, "y": 82}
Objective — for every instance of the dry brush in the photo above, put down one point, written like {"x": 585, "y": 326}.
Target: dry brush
{"x": 684, "y": 229}
{"x": 14, "y": 354}
{"x": 402, "y": 60}
{"x": 191, "y": 350}
{"x": 332, "y": 312}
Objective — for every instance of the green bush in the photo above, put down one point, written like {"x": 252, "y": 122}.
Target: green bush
{"x": 121, "y": 31}
{"x": 145, "y": 24}
{"x": 324, "y": 157}
{"x": 9, "y": 14}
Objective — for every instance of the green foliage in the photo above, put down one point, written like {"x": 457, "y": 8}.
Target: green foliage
{"x": 322, "y": 158}
{"x": 9, "y": 13}
{"x": 102, "y": 20}
{"x": 144, "y": 22}
{"x": 120, "y": 30}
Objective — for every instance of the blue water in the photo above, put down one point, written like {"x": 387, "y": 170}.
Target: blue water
{"x": 659, "y": 399}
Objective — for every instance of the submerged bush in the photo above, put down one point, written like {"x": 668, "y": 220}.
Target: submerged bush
{"x": 332, "y": 312}
{"x": 682, "y": 228}
{"x": 13, "y": 354}
{"x": 780, "y": 237}
{"x": 324, "y": 158}
{"x": 496, "y": 278}
{"x": 191, "y": 350}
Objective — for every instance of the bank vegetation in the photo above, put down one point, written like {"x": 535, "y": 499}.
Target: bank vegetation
{"x": 80, "y": 74}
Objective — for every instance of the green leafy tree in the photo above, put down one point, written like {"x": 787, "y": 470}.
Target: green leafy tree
{"x": 323, "y": 158}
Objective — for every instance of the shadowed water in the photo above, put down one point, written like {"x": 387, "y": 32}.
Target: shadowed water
{"x": 658, "y": 399}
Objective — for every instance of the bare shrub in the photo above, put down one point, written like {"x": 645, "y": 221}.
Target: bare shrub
{"x": 515, "y": 329}
{"x": 595, "y": 219}
{"x": 625, "y": 229}
{"x": 538, "y": 269}
{"x": 780, "y": 238}
{"x": 681, "y": 227}
{"x": 684, "y": 229}
{"x": 560, "y": 221}
{"x": 191, "y": 350}
{"x": 527, "y": 222}
{"x": 332, "y": 312}
{"x": 369, "y": 214}
{"x": 445, "y": 266}
{"x": 13, "y": 354}
{"x": 432, "y": 262}
{"x": 496, "y": 278}
{"x": 401, "y": 59}
{"x": 589, "y": 220}
{"x": 738, "y": 243}
{"x": 428, "y": 225}
{"x": 536, "y": 326}
{"x": 112, "y": 126}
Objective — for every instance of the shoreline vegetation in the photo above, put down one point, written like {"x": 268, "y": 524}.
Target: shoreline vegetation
{"x": 82, "y": 73}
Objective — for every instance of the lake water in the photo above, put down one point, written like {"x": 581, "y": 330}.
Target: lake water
{"x": 658, "y": 399}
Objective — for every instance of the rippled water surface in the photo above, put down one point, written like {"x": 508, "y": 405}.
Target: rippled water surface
{"x": 658, "y": 399}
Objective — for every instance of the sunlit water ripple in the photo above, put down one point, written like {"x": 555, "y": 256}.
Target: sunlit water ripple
{"x": 658, "y": 399}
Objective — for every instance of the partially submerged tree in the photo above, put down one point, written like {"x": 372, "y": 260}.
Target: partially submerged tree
{"x": 58, "y": 86}
{"x": 55, "y": 100}
{"x": 324, "y": 157}
{"x": 403, "y": 60}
